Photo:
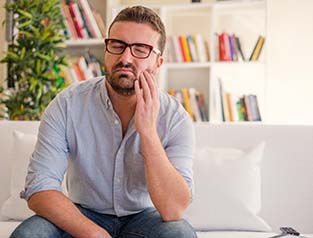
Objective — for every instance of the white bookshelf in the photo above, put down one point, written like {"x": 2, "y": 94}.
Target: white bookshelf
{"x": 247, "y": 19}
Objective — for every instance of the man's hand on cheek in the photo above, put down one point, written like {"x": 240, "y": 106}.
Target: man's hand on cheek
{"x": 148, "y": 104}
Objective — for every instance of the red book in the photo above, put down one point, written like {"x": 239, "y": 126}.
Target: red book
{"x": 227, "y": 47}
{"x": 75, "y": 20}
{"x": 221, "y": 47}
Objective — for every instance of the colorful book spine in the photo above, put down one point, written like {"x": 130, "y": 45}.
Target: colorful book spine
{"x": 257, "y": 49}
{"x": 192, "y": 48}
{"x": 77, "y": 23}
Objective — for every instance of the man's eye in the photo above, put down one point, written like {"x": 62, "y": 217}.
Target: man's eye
{"x": 117, "y": 46}
{"x": 141, "y": 49}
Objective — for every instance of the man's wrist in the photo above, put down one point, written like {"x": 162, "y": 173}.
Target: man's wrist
{"x": 151, "y": 134}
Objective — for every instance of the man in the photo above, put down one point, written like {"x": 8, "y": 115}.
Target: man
{"x": 127, "y": 147}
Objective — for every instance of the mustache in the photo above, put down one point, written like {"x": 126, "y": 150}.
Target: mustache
{"x": 120, "y": 65}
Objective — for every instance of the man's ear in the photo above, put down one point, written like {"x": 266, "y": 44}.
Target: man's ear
{"x": 160, "y": 61}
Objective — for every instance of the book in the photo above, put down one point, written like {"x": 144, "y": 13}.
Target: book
{"x": 234, "y": 105}
{"x": 257, "y": 49}
{"x": 207, "y": 50}
{"x": 87, "y": 27}
{"x": 185, "y": 48}
{"x": 192, "y": 48}
{"x": 228, "y": 106}
{"x": 186, "y": 99}
{"x": 194, "y": 104}
{"x": 255, "y": 111}
{"x": 181, "y": 46}
{"x": 247, "y": 108}
{"x": 78, "y": 72}
{"x": 241, "y": 110}
{"x": 227, "y": 46}
{"x": 201, "y": 105}
{"x": 90, "y": 19}
{"x": 77, "y": 23}
{"x": 71, "y": 26}
{"x": 233, "y": 50}
{"x": 224, "y": 47}
{"x": 177, "y": 49}
{"x": 240, "y": 54}
{"x": 100, "y": 22}
{"x": 220, "y": 103}
{"x": 221, "y": 48}
{"x": 200, "y": 48}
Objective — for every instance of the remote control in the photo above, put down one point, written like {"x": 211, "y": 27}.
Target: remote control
{"x": 289, "y": 230}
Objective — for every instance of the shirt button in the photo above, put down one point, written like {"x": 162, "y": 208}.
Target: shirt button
{"x": 116, "y": 122}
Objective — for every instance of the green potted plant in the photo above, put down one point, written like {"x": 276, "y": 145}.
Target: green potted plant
{"x": 33, "y": 58}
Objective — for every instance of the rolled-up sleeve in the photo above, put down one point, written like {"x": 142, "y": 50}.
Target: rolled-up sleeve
{"x": 180, "y": 148}
{"x": 49, "y": 160}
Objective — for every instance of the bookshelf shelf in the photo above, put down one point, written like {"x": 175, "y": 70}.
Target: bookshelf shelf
{"x": 192, "y": 65}
{"x": 237, "y": 64}
{"x": 84, "y": 42}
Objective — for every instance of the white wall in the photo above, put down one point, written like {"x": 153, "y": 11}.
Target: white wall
{"x": 290, "y": 61}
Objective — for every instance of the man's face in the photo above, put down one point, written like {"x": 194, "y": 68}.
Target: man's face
{"x": 122, "y": 70}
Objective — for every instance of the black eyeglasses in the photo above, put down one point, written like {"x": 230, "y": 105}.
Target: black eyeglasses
{"x": 138, "y": 50}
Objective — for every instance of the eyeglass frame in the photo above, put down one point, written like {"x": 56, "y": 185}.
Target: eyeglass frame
{"x": 152, "y": 48}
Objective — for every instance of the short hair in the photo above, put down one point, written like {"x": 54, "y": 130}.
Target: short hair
{"x": 140, "y": 14}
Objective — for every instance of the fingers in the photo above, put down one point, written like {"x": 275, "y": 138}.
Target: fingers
{"x": 152, "y": 84}
{"x": 138, "y": 92}
{"x": 149, "y": 87}
{"x": 145, "y": 88}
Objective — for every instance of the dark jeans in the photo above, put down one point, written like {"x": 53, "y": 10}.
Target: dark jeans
{"x": 147, "y": 224}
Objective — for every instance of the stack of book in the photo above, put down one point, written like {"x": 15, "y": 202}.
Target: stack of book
{"x": 82, "y": 21}
{"x": 230, "y": 49}
{"x": 230, "y": 107}
{"x": 187, "y": 48}
{"x": 193, "y": 102}
{"x": 242, "y": 108}
{"x": 82, "y": 68}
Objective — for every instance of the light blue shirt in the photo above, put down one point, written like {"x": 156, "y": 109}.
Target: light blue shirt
{"x": 81, "y": 134}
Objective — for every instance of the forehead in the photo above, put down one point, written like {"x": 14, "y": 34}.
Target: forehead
{"x": 132, "y": 32}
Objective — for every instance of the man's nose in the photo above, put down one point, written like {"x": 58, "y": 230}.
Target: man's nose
{"x": 127, "y": 56}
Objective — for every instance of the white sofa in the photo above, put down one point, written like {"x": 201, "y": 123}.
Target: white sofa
{"x": 286, "y": 176}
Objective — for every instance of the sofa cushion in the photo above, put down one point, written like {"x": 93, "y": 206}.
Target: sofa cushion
{"x": 227, "y": 189}
{"x": 14, "y": 207}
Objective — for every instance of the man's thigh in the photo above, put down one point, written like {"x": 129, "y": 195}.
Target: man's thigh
{"x": 148, "y": 224}
{"x": 40, "y": 227}
{"x": 37, "y": 227}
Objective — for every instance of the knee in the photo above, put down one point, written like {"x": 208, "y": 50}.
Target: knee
{"x": 174, "y": 229}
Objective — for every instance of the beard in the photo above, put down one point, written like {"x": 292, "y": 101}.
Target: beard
{"x": 122, "y": 83}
